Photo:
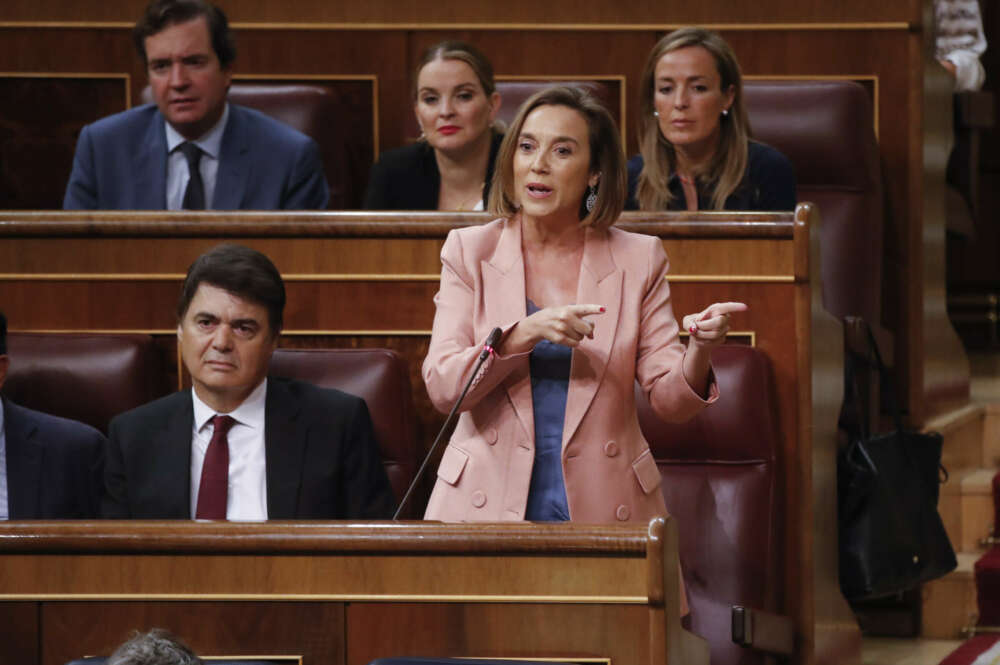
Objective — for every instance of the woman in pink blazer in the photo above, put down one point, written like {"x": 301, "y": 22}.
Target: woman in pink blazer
{"x": 549, "y": 428}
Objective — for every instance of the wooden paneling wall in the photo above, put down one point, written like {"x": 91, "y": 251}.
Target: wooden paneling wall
{"x": 483, "y": 12}
{"x": 344, "y": 594}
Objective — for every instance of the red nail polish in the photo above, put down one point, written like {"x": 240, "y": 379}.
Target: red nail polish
{"x": 693, "y": 329}
{"x": 602, "y": 309}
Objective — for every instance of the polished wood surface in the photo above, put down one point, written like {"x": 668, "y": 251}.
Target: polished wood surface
{"x": 834, "y": 630}
{"x": 483, "y": 11}
{"x": 344, "y": 592}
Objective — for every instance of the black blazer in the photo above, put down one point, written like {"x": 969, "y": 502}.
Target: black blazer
{"x": 768, "y": 184}
{"x": 322, "y": 461}
{"x": 53, "y": 465}
{"x": 407, "y": 178}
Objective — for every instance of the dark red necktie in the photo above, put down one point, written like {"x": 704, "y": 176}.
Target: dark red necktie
{"x": 215, "y": 473}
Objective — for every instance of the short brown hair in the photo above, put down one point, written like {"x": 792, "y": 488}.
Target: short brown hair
{"x": 161, "y": 14}
{"x": 241, "y": 271}
{"x": 606, "y": 156}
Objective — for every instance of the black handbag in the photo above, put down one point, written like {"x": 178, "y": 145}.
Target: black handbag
{"x": 891, "y": 535}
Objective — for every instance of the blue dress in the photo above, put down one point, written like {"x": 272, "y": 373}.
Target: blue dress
{"x": 550, "y": 367}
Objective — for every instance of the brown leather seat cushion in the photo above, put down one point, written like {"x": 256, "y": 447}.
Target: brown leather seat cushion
{"x": 826, "y": 128}
{"x": 379, "y": 376}
{"x": 718, "y": 473}
{"x": 86, "y": 377}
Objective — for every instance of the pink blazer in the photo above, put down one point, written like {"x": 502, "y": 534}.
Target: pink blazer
{"x": 609, "y": 472}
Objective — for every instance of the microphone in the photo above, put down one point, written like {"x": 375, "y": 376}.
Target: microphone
{"x": 489, "y": 347}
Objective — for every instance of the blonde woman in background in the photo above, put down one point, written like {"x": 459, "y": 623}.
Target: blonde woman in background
{"x": 451, "y": 166}
{"x": 694, "y": 137}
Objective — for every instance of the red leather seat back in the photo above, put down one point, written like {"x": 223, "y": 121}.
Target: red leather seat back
{"x": 719, "y": 482}
{"x": 379, "y": 376}
{"x": 86, "y": 377}
{"x": 826, "y": 128}
{"x": 337, "y": 115}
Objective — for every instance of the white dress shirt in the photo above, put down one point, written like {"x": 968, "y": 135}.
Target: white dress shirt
{"x": 177, "y": 166}
{"x": 959, "y": 39}
{"x": 247, "y": 496}
{"x": 4, "y": 510}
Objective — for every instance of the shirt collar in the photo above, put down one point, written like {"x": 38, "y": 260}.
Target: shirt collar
{"x": 249, "y": 413}
{"x": 210, "y": 142}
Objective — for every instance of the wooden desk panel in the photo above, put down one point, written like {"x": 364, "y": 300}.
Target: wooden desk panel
{"x": 305, "y": 633}
{"x": 337, "y": 593}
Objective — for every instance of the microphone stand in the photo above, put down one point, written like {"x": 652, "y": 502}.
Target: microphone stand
{"x": 488, "y": 350}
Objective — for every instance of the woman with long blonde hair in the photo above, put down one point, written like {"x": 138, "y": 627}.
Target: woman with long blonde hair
{"x": 694, "y": 136}
{"x": 450, "y": 167}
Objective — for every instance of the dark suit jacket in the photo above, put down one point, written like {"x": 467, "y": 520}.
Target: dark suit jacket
{"x": 768, "y": 183}
{"x": 407, "y": 178}
{"x": 121, "y": 164}
{"x": 53, "y": 465}
{"x": 322, "y": 461}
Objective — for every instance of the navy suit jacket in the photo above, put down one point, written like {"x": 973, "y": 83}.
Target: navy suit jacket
{"x": 768, "y": 184}
{"x": 53, "y": 465}
{"x": 322, "y": 461}
{"x": 121, "y": 164}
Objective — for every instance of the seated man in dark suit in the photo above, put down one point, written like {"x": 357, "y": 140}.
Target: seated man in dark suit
{"x": 239, "y": 445}
{"x": 192, "y": 149}
{"x": 50, "y": 468}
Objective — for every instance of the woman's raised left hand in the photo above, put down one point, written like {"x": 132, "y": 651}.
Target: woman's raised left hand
{"x": 709, "y": 326}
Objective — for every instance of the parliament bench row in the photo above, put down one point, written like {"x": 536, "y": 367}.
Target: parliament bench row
{"x": 719, "y": 471}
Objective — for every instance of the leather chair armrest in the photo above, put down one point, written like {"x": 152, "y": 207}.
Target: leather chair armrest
{"x": 757, "y": 629}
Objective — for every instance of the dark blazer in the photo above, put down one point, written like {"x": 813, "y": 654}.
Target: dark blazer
{"x": 769, "y": 184}
{"x": 407, "y": 178}
{"x": 121, "y": 164}
{"x": 53, "y": 465}
{"x": 322, "y": 459}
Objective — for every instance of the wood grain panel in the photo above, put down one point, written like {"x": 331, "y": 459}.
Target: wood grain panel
{"x": 348, "y": 260}
{"x": 340, "y": 577}
{"x": 19, "y": 633}
{"x": 603, "y": 586}
{"x": 313, "y": 631}
{"x": 619, "y": 633}
{"x": 88, "y": 258}
{"x": 40, "y": 120}
{"x": 482, "y": 11}
{"x": 357, "y": 307}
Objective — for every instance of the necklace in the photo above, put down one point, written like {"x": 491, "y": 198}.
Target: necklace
{"x": 469, "y": 203}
